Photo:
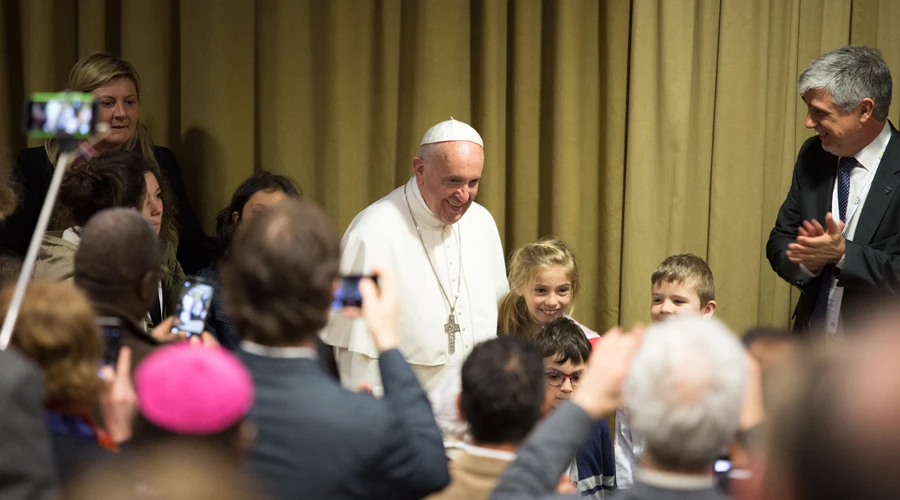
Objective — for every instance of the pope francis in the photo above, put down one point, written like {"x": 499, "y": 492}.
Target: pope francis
{"x": 445, "y": 251}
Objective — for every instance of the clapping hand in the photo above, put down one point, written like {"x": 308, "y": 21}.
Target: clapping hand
{"x": 817, "y": 246}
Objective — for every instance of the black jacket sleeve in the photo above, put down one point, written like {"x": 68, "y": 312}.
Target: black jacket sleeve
{"x": 414, "y": 461}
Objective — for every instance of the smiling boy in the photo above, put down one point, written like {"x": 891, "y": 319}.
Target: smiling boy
{"x": 682, "y": 284}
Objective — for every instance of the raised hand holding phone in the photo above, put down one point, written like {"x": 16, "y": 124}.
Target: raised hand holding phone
{"x": 381, "y": 309}
{"x": 117, "y": 398}
{"x": 193, "y": 306}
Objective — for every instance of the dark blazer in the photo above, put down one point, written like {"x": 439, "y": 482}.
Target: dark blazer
{"x": 27, "y": 470}
{"x": 31, "y": 178}
{"x": 317, "y": 440}
{"x": 871, "y": 268}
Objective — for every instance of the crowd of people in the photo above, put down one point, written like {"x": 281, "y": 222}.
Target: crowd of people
{"x": 457, "y": 377}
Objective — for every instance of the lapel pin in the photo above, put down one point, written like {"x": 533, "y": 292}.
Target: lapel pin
{"x": 887, "y": 190}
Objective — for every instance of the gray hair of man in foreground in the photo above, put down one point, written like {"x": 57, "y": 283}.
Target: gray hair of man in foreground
{"x": 851, "y": 74}
{"x": 685, "y": 390}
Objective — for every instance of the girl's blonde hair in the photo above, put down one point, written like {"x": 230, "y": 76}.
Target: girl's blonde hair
{"x": 94, "y": 71}
{"x": 525, "y": 265}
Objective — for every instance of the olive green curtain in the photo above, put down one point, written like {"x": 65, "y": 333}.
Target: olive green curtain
{"x": 631, "y": 129}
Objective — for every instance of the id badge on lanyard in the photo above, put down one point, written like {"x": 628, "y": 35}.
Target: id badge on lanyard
{"x": 836, "y": 295}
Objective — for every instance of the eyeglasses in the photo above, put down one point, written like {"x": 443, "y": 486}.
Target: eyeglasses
{"x": 557, "y": 378}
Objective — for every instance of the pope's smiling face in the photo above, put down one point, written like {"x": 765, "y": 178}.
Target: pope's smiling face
{"x": 447, "y": 175}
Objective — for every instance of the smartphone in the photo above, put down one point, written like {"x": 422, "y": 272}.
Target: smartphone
{"x": 347, "y": 293}
{"x": 193, "y": 306}
{"x": 112, "y": 338}
{"x": 63, "y": 115}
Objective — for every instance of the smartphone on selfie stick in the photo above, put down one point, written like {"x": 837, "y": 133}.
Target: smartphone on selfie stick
{"x": 68, "y": 117}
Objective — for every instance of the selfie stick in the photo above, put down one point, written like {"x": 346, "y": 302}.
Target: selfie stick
{"x": 36, "y": 239}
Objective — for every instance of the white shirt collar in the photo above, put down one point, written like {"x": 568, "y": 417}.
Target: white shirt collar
{"x": 279, "y": 352}
{"x": 419, "y": 207}
{"x": 674, "y": 480}
{"x": 870, "y": 156}
{"x": 479, "y": 451}
{"x": 72, "y": 235}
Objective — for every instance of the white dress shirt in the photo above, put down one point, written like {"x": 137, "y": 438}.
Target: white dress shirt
{"x": 868, "y": 159}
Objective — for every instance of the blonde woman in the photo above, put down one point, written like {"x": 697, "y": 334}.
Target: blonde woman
{"x": 116, "y": 85}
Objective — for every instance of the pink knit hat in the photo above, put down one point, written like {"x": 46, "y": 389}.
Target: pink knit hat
{"x": 192, "y": 389}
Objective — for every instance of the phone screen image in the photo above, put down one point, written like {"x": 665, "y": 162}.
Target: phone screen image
{"x": 193, "y": 306}
{"x": 112, "y": 340}
{"x": 63, "y": 114}
{"x": 347, "y": 293}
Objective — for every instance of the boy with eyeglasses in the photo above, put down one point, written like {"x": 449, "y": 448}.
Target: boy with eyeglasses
{"x": 566, "y": 351}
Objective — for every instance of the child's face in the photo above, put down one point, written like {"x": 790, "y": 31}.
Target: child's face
{"x": 670, "y": 299}
{"x": 549, "y": 296}
{"x": 559, "y": 392}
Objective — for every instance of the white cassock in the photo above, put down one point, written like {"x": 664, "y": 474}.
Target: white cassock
{"x": 384, "y": 236}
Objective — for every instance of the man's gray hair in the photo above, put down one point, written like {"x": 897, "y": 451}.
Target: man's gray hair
{"x": 851, "y": 74}
{"x": 685, "y": 389}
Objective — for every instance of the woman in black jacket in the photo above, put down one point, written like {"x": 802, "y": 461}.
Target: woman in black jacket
{"x": 116, "y": 85}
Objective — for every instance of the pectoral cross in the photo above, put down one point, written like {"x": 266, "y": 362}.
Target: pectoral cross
{"x": 451, "y": 328}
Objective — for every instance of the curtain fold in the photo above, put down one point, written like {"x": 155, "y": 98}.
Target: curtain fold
{"x": 632, "y": 129}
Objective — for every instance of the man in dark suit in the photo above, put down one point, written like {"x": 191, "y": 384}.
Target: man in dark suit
{"x": 315, "y": 439}
{"x": 837, "y": 235}
{"x": 118, "y": 265}
{"x": 27, "y": 470}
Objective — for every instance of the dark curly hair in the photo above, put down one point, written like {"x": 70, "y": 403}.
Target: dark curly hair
{"x": 263, "y": 181}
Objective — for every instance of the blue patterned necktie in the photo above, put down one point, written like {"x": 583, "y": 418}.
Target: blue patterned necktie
{"x": 820, "y": 308}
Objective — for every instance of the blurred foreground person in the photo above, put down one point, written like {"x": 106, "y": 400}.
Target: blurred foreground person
{"x": 315, "y": 439}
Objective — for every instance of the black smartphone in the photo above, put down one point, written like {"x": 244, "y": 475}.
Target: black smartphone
{"x": 112, "y": 338}
{"x": 61, "y": 115}
{"x": 193, "y": 306}
{"x": 347, "y": 293}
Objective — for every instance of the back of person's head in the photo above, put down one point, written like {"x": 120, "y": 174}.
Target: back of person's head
{"x": 562, "y": 340}
{"x": 110, "y": 180}
{"x": 279, "y": 278}
{"x": 193, "y": 394}
{"x": 228, "y": 219}
{"x": 687, "y": 269}
{"x": 770, "y": 347}
{"x": 525, "y": 266}
{"x": 56, "y": 330}
{"x": 119, "y": 260}
{"x": 169, "y": 471}
{"x": 502, "y": 390}
{"x": 10, "y": 266}
{"x": 851, "y": 74}
{"x": 835, "y": 416}
{"x": 684, "y": 391}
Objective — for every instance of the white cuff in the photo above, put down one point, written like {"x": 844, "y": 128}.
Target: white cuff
{"x": 840, "y": 263}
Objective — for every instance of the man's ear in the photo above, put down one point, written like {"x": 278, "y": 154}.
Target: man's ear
{"x": 459, "y": 407}
{"x": 710, "y": 309}
{"x": 419, "y": 167}
{"x": 246, "y": 436}
{"x": 149, "y": 286}
{"x": 866, "y": 110}
{"x": 547, "y": 407}
{"x": 235, "y": 216}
